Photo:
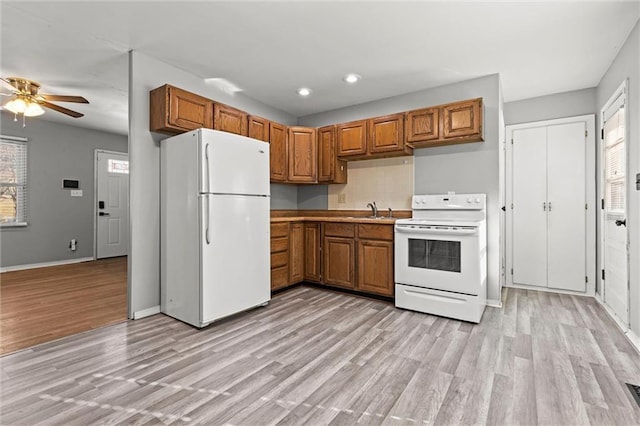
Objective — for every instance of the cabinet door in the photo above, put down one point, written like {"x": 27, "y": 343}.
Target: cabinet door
{"x": 339, "y": 261}
{"x": 330, "y": 168}
{"x": 386, "y": 134}
{"x": 352, "y": 138}
{"x": 229, "y": 119}
{"x": 258, "y": 128}
{"x": 312, "y": 258}
{"x": 375, "y": 267}
{"x": 462, "y": 119}
{"x": 422, "y": 125}
{"x": 296, "y": 253}
{"x": 176, "y": 111}
{"x": 302, "y": 155}
{"x": 278, "y": 152}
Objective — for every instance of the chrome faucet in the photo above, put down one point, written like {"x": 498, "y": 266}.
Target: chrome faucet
{"x": 390, "y": 212}
{"x": 374, "y": 209}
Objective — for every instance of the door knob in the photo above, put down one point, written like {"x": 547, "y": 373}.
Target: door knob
{"x": 622, "y": 222}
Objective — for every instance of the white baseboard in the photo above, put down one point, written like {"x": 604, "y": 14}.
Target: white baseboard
{"x": 494, "y": 303}
{"x": 45, "y": 264}
{"x": 630, "y": 334}
{"x": 146, "y": 312}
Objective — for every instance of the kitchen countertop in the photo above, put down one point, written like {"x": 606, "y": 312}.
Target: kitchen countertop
{"x": 343, "y": 219}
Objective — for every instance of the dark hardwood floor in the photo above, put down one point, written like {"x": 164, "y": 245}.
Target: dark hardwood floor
{"x": 44, "y": 304}
{"x": 317, "y": 357}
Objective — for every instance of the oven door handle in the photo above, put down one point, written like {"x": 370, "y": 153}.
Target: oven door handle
{"x": 436, "y": 231}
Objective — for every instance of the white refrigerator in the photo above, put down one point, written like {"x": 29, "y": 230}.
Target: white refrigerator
{"x": 215, "y": 219}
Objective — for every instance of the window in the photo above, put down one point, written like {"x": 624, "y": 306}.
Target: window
{"x": 614, "y": 163}
{"x": 118, "y": 166}
{"x": 13, "y": 181}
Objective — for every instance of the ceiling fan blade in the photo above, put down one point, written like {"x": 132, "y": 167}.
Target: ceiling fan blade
{"x": 8, "y": 85}
{"x": 63, "y": 110}
{"x": 62, "y": 98}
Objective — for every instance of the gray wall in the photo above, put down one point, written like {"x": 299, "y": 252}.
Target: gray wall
{"x": 284, "y": 197}
{"x": 461, "y": 168}
{"x": 558, "y": 105}
{"x": 626, "y": 65}
{"x": 313, "y": 197}
{"x": 55, "y": 152}
{"x": 145, "y": 74}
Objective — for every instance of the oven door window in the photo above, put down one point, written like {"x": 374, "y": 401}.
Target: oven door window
{"x": 434, "y": 254}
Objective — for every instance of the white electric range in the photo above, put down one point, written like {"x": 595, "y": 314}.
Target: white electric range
{"x": 441, "y": 256}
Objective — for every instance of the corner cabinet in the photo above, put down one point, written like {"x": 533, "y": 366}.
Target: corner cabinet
{"x": 330, "y": 168}
{"x": 174, "y": 111}
{"x": 296, "y": 252}
{"x": 455, "y": 123}
{"x": 229, "y": 119}
{"x": 312, "y": 252}
{"x": 302, "y": 155}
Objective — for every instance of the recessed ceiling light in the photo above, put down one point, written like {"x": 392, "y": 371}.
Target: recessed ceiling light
{"x": 351, "y": 78}
{"x": 304, "y": 91}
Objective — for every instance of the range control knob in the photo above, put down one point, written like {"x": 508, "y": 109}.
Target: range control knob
{"x": 469, "y": 200}
{"x": 477, "y": 200}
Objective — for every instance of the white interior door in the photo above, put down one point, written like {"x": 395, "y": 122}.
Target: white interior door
{"x": 566, "y": 200}
{"x": 112, "y": 210}
{"x": 614, "y": 232}
{"x": 529, "y": 211}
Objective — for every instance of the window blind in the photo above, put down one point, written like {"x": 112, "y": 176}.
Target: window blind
{"x": 13, "y": 181}
{"x": 614, "y": 162}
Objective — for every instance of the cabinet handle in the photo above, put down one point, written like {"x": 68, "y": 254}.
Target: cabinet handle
{"x": 544, "y": 206}
{"x": 549, "y": 205}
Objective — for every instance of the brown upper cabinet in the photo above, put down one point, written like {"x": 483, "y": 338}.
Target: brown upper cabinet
{"x": 377, "y": 137}
{"x": 386, "y": 135}
{"x": 174, "y": 111}
{"x": 229, "y": 119}
{"x": 302, "y": 155}
{"x": 330, "y": 168}
{"x": 258, "y": 128}
{"x": 352, "y": 138}
{"x": 278, "y": 151}
{"x": 457, "y": 122}
{"x": 422, "y": 125}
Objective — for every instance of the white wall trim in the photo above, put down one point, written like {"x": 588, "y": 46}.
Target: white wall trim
{"x": 146, "y": 312}
{"x": 494, "y": 303}
{"x": 45, "y": 264}
{"x": 633, "y": 338}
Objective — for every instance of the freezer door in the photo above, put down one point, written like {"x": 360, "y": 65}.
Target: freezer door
{"x": 235, "y": 250}
{"x": 233, "y": 164}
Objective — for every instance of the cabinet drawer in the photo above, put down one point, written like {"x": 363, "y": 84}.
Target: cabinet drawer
{"x": 339, "y": 229}
{"x": 279, "y": 277}
{"x": 279, "y": 244}
{"x": 279, "y": 229}
{"x": 279, "y": 259}
{"x": 375, "y": 232}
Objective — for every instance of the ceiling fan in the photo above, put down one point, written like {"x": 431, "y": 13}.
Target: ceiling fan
{"x": 26, "y": 100}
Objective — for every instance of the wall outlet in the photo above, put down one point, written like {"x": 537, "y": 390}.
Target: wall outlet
{"x": 76, "y": 192}
{"x": 342, "y": 198}
{"x": 73, "y": 244}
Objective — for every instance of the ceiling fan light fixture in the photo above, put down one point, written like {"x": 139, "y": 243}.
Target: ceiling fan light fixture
{"x": 16, "y": 106}
{"x": 33, "y": 110}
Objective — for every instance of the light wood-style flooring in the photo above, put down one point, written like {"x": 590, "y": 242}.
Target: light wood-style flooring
{"x": 44, "y": 304}
{"x": 315, "y": 357}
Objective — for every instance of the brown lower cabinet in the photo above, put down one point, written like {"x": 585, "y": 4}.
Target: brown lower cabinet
{"x": 346, "y": 255}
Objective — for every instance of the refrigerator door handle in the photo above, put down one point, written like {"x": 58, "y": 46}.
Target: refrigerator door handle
{"x": 206, "y": 156}
{"x": 206, "y": 229}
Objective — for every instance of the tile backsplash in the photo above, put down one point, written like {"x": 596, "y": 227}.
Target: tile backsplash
{"x": 387, "y": 181}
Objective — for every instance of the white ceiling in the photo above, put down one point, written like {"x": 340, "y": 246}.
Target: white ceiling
{"x": 269, "y": 49}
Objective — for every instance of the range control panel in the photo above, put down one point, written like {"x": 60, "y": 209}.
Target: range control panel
{"x": 449, "y": 202}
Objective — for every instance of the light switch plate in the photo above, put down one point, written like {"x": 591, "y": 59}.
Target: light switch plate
{"x": 76, "y": 192}
{"x": 342, "y": 198}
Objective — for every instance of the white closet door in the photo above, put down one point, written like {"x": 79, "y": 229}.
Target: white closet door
{"x": 566, "y": 187}
{"x": 529, "y": 190}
